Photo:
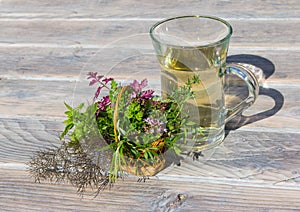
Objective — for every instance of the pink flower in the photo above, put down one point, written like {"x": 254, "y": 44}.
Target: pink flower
{"x": 97, "y": 92}
{"x": 94, "y": 78}
{"x": 92, "y": 75}
{"x": 105, "y": 101}
{"x": 156, "y": 126}
{"x": 147, "y": 94}
{"x": 107, "y": 80}
{"x": 137, "y": 87}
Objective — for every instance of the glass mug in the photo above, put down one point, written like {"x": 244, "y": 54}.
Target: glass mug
{"x": 197, "y": 45}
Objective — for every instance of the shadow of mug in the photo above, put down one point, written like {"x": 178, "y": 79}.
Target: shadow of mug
{"x": 267, "y": 68}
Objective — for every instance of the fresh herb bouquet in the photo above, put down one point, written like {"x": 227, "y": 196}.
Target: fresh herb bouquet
{"x": 137, "y": 126}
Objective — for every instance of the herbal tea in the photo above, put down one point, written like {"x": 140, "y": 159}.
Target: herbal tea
{"x": 196, "y": 46}
{"x": 179, "y": 66}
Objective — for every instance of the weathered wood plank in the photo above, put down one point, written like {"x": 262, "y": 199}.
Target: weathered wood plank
{"x": 98, "y": 33}
{"x": 44, "y": 99}
{"x": 148, "y": 9}
{"x": 247, "y": 156}
{"x": 28, "y": 96}
{"x": 43, "y": 49}
{"x": 270, "y": 158}
{"x": 66, "y": 64}
{"x": 22, "y": 137}
{"x": 21, "y": 194}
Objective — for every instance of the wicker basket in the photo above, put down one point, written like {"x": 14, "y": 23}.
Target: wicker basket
{"x": 141, "y": 167}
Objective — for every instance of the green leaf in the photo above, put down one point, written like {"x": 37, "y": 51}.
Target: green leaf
{"x": 69, "y": 113}
{"x": 146, "y": 155}
{"x": 66, "y": 130}
{"x": 68, "y": 106}
{"x": 80, "y": 106}
{"x": 67, "y": 122}
{"x": 139, "y": 116}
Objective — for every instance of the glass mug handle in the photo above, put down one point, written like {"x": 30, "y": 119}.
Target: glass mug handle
{"x": 253, "y": 89}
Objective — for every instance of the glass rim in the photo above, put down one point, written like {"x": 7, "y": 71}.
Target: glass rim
{"x": 227, "y": 24}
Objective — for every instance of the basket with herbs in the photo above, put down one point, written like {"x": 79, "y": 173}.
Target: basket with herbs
{"x": 137, "y": 125}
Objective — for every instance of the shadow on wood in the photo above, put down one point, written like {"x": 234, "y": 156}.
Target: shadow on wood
{"x": 268, "y": 69}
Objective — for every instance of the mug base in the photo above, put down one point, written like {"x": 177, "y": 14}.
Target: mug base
{"x": 209, "y": 139}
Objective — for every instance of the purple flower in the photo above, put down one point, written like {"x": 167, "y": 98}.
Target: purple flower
{"x": 156, "y": 126}
{"x": 103, "y": 103}
{"x": 147, "y": 94}
{"x": 137, "y": 87}
{"x": 94, "y": 78}
{"x": 97, "y": 92}
{"x": 107, "y": 80}
{"x": 138, "y": 90}
{"x": 92, "y": 75}
{"x": 132, "y": 95}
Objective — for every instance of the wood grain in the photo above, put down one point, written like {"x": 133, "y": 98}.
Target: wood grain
{"x": 120, "y": 9}
{"x": 20, "y": 138}
{"x": 66, "y": 64}
{"x": 245, "y": 156}
{"x": 32, "y": 98}
{"x": 46, "y": 48}
{"x": 99, "y": 33}
{"x": 21, "y": 194}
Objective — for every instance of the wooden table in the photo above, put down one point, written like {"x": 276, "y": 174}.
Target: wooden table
{"x": 44, "y": 46}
